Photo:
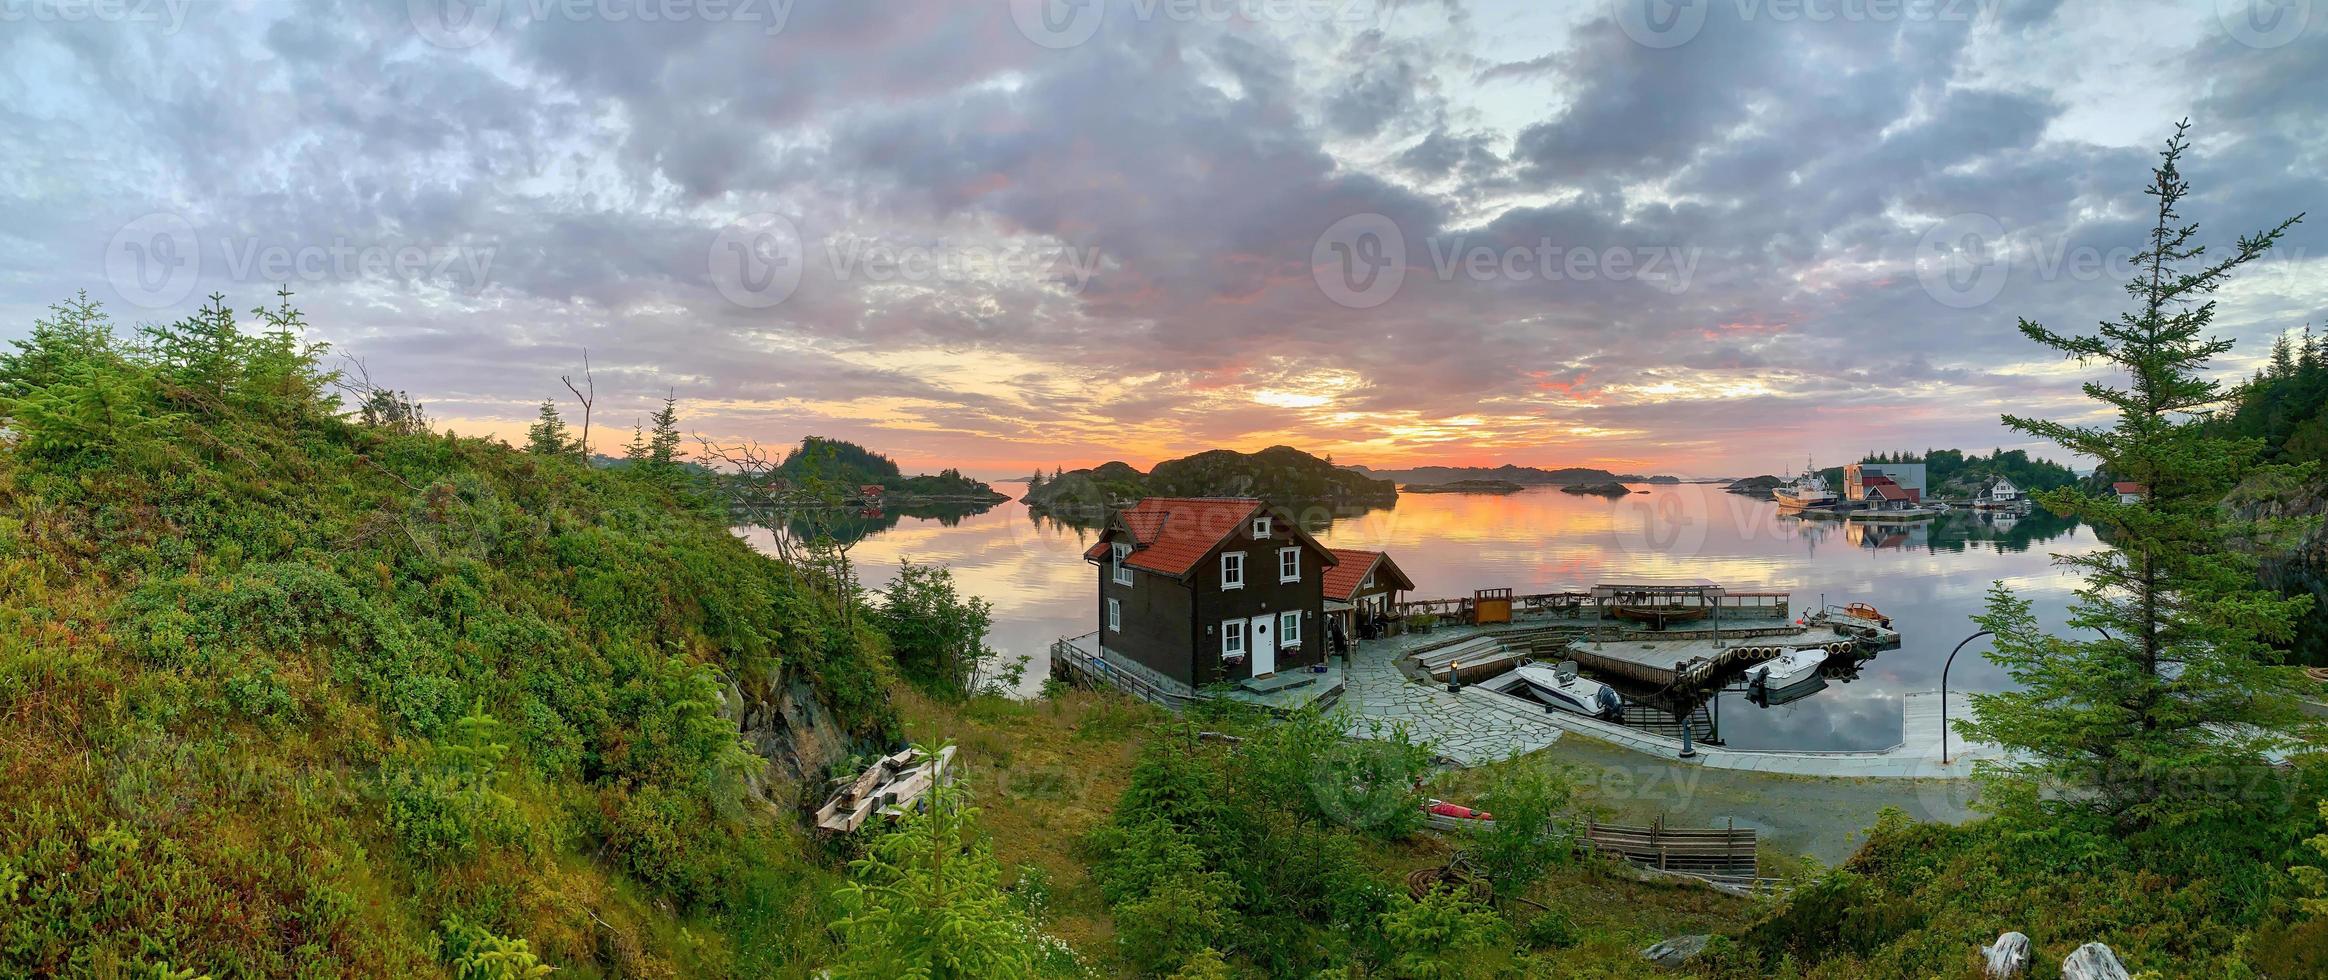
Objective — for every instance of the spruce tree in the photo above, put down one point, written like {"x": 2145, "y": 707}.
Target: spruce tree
{"x": 549, "y": 436}
{"x": 663, "y": 443}
{"x": 2167, "y": 686}
{"x": 636, "y": 452}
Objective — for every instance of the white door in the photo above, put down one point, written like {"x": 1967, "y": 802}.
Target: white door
{"x": 1264, "y": 643}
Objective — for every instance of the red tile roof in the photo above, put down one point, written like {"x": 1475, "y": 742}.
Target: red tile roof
{"x": 1343, "y": 580}
{"x": 2134, "y": 488}
{"x": 1171, "y": 534}
{"x": 1886, "y": 491}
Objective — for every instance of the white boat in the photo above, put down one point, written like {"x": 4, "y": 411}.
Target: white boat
{"x": 1807, "y": 490}
{"x": 1560, "y": 687}
{"x": 1787, "y": 669}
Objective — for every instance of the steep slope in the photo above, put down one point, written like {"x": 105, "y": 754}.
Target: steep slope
{"x": 289, "y": 694}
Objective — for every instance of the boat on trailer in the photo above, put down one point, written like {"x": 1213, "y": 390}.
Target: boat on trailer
{"x": 1560, "y": 688}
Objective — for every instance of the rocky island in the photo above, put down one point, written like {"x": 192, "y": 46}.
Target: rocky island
{"x": 1598, "y": 489}
{"x": 1465, "y": 486}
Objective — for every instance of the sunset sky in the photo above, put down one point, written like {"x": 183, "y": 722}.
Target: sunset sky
{"x": 1707, "y": 238}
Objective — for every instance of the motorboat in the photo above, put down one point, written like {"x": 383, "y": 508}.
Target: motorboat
{"x": 1561, "y": 688}
{"x": 1787, "y": 669}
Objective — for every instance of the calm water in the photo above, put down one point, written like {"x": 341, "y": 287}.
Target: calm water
{"x": 1930, "y": 577}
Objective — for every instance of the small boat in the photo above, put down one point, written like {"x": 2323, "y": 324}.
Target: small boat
{"x": 1560, "y": 688}
{"x": 1657, "y": 616}
{"x": 1861, "y": 610}
{"x": 1787, "y": 669}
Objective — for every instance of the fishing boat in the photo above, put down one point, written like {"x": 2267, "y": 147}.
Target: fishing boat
{"x": 1807, "y": 490}
{"x": 1861, "y": 610}
{"x": 1561, "y": 689}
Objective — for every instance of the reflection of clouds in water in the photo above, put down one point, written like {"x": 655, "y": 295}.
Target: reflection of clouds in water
{"x": 1539, "y": 540}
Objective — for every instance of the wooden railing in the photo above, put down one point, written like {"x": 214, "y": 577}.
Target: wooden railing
{"x": 1571, "y": 602}
{"x": 1070, "y": 663}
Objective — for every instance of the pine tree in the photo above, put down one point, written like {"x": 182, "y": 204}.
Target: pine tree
{"x": 549, "y": 436}
{"x": 663, "y": 443}
{"x": 2169, "y": 685}
{"x": 636, "y": 452}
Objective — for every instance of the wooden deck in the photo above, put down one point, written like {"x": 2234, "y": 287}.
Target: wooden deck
{"x": 1583, "y": 604}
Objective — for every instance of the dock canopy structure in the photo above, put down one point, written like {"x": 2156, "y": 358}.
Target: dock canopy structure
{"x": 1659, "y": 602}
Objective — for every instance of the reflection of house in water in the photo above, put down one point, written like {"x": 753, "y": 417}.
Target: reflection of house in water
{"x": 1874, "y": 534}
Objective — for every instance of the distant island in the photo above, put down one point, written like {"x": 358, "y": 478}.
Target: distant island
{"x": 844, "y": 464}
{"x": 1465, "y": 486}
{"x": 1526, "y": 476}
{"x": 1755, "y": 486}
{"x": 1597, "y": 489}
{"x": 1281, "y": 475}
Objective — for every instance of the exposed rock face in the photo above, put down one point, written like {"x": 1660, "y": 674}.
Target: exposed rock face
{"x": 2007, "y": 957}
{"x": 1676, "y": 951}
{"x": 1598, "y": 489}
{"x": 2093, "y": 961}
{"x": 785, "y": 723}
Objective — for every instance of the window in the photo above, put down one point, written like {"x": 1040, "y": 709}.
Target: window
{"x": 1123, "y": 574}
{"x": 1369, "y": 583}
{"x": 1289, "y": 564}
{"x": 1288, "y": 630}
{"x": 1232, "y": 638}
{"x": 1115, "y": 616}
{"x": 1261, "y": 529}
{"x": 1232, "y": 570}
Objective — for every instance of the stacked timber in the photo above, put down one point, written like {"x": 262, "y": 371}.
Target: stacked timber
{"x": 893, "y": 785}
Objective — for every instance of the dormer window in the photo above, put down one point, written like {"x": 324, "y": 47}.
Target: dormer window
{"x": 1261, "y": 528}
{"x": 1123, "y": 572}
{"x": 1232, "y": 570}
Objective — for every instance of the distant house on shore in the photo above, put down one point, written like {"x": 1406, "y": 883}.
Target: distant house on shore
{"x": 2130, "y": 493}
{"x": 2003, "y": 491}
{"x": 1857, "y": 477}
{"x": 1209, "y": 590}
{"x": 1361, "y": 586}
{"x": 1885, "y": 496}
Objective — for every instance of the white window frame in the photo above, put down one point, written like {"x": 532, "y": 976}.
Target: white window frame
{"x": 1261, "y": 528}
{"x": 1232, "y": 560}
{"x": 1115, "y": 615}
{"x": 1233, "y": 628}
{"x": 1283, "y": 554}
{"x": 1369, "y": 583}
{"x": 1123, "y": 573}
{"x": 1288, "y": 629}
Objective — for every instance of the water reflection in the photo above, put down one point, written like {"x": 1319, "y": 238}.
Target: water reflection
{"x": 1929, "y": 577}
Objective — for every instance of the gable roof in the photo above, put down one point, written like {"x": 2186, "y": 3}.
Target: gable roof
{"x": 1343, "y": 580}
{"x": 1887, "y": 491}
{"x": 1170, "y": 535}
{"x": 2129, "y": 488}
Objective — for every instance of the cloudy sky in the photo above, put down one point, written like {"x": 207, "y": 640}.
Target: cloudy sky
{"x": 1707, "y": 237}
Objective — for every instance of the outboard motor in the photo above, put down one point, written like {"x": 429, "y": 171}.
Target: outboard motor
{"x": 1608, "y": 703}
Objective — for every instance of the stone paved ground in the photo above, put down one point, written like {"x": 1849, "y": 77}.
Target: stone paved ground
{"x": 1375, "y": 693}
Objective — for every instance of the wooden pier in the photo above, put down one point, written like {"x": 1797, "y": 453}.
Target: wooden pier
{"x": 1580, "y": 604}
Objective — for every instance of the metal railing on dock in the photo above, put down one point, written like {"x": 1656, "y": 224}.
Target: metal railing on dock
{"x": 1577, "y": 604}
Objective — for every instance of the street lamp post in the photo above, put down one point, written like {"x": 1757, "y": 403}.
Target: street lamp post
{"x": 1951, "y": 661}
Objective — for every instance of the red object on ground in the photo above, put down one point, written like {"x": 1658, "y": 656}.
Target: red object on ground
{"x": 1445, "y": 809}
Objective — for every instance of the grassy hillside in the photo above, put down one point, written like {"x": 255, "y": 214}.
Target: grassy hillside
{"x": 286, "y": 693}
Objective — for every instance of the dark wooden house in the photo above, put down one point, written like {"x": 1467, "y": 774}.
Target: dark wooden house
{"x": 1207, "y": 590}
{"x": 1362, "y": 586}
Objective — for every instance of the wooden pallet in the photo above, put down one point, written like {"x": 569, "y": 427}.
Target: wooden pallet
{"x": 1708, "y": 852}
{"x": 891, "y": 786}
